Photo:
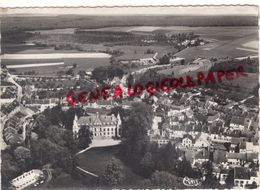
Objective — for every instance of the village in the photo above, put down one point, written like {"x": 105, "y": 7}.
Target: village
{"x": 199, "y": 121}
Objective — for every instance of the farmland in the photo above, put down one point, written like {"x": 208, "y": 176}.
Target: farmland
{"x": 86, "y": 64}
{"x": 226, "y": 48}
{"x": 85, "y": 34}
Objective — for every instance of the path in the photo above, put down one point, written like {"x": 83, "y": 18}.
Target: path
{"x": 87, "y": 172}
{"x": 100, "y": 143}
{"x": 240, "y": 102}
{"x": 19, "y": 88}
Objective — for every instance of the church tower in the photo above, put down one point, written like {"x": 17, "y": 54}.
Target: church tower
{"x": 118, "y": 126}
{"x": 75, "y": 128}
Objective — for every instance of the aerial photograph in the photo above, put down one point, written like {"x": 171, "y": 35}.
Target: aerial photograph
{"x": 130, "y": 98}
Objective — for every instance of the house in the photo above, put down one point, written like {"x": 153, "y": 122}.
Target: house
{"x": 220, "y": 138}
{"x": 252, "y": 147}
{"x": 201, "y": 156}
{"x": 177, "y": 60}
{"x": 210, "y": 103}
{"x": 160, "y": 140}
{"x": 174, "y": 121}
{"x": 218, "y": 146}
{"x": 202, "y": 141}
{"x": 8, "y": 90}
{"x": 213, "y": 118}
{"x": 243, "y": 177}
{"x": 187, "y": 141}
{"x": 27, "y": 179}
{"x": 177, "y": 110}
{"x": 102, "y": 126}
{"x": 253, "y": 157}
{"x": 237, "y": 123}
{"x": 220, "y": 174}
{"x": 236, "y": 158}
{"x": 44, "y": 103}
{"x": 138, "y": 59}
{"x": 223, "y": 176}
{"x": 156, "y": 121}
{"x": 219, "y": 156}
{"x": 176, "y": 133}
{"x": 12, "y": 126}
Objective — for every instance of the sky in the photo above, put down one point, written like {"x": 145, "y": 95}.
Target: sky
{"x": 174, "y": 10}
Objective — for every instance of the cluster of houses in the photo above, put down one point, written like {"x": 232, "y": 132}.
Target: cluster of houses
{"x": 201, "y": 124}
{"x": 138, "y": 59}
{"x": 206, "y": 128}
{"x": 8, "y": 92}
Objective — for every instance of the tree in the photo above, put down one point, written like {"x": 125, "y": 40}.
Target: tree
{"x": 134, "y": 134}
{"x": 74, "y": 65}
{"x": 139, "y": 122}
{"x": 9, "y": 168}
{"x": 149, "y": 51}
{"x": 84, "y": 137}
{"x": 70, "y": 72}
{"x": 113, "y": 174}
{"x": 160, "y": 37}
{"x": 163, "y": 179}
{"x": 184, "y": 168}
{"x": 101, "y": 74}
{"x": 164, "y": 60}
{"x": 230, "y": 179}
{"x": 251, "y": 186}
{"x": 82, "y": 74}
{"x": 23, "y": 157}
{"x": 169, "y": 157}
{"x": 147, "y": 165}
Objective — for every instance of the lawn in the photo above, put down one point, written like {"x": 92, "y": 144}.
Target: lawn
{"x": 96, "y": 159}
{"x": 65, "y": 181}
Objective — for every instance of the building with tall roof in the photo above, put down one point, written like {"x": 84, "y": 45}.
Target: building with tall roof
{"x": 101, "y": 126}
{"x": 187, "y": 140}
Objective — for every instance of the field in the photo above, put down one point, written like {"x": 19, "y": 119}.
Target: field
{"x": 225, "y": 41}
{"x": 96, "y": 159}
{"x": 180, "y": 70}
{"x": 244, "y": 83}
{"x": 228, "y": 48}
{"x": 86, "y": 64}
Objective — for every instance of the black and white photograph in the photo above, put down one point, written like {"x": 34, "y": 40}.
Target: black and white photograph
{"x": 142, "y": 97}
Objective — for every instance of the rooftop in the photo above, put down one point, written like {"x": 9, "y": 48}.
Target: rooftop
{"x": 241, "y": 173}
{"x": 97, "y": 119}
{"x": 241, "y": 156}
{"x": 237, "y": 120}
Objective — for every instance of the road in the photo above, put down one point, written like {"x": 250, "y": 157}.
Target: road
{"x": 19, "y": 93}
{"x": 240, "y": 102}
